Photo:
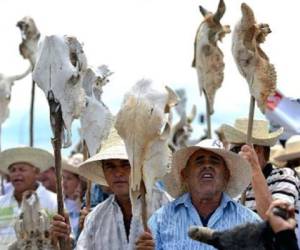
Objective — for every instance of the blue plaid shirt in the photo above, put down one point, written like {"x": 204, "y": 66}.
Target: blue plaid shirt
{"x": 170, "y": 224}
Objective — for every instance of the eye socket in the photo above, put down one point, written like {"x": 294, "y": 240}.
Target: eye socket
{"x": 236, "y": 149}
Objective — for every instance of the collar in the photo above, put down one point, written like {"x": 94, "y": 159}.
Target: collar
{"x": 267, "y": 170}
{"x": 186, "y": 200}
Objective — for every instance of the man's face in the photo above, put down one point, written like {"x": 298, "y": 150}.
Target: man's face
{"x": 23, "y": 176}
{"x": 48, "y": 179}
{"x": 117, "y": 173}
{"x": 206, "y": 174}
{"x": 71, "y": 185}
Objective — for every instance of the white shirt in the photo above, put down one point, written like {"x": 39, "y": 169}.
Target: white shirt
{"x": 10, "y": 210}
{"x": 104, "y": 227}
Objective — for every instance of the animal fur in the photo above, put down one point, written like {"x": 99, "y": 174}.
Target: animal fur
{"x": 251, "y": 236}
{"x": 143, "y": 123}
{"x": 252, "y": 62}
{"x": 208, "y": 58}
{"x": 32, "y": 226}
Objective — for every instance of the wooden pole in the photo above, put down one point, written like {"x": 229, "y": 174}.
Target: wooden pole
{"x": 89, "y": 183}
{"x": 31, "y": 115}
{"x": 208, "y": 120}
{"x": 144, "y": 205}
{"x": 250, "y": 120}
{"x": 57, "y": 124}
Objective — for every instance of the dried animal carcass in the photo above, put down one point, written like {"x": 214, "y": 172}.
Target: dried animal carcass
{"x": 208, "y": 57}
{"x": 252, "y": 62}
{"x": 30, "y": 39}
{"x": 144, "y": 125}
{"x": 96, "y": 119}
{"x": 32, "y": 225}
{"x": 59, "y": 70}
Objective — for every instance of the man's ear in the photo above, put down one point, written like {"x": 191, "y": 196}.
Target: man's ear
{"x": 183, "y": 174}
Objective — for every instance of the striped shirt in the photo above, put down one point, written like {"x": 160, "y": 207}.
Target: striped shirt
{"x": 104, "y": 227}
{"x": 170, "y": 224}
{"x": 283, "y": 183}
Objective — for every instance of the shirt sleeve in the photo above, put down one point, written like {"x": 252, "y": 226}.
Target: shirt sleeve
{"x": 153, "y": 224}
{"x": 285, "y": 185}
{"x": 86, "y": 239}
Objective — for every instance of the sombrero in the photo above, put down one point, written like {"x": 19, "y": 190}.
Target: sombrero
{"x": 292, "y": 149}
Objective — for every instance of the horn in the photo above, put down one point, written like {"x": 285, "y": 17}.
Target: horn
{"x": 203, "y": 11}
{"x": 220, "y": 11}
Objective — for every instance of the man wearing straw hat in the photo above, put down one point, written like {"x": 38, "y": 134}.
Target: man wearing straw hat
{"x": 267, "y": 183}
{"x": 22, "y": 165}
{"x": 111, "y": 224}
{"x": 204, "y": 179}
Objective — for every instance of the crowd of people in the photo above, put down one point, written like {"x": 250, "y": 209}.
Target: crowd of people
{"x": 210, "y": 185}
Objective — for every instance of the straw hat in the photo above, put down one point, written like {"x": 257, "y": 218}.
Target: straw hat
{"x": 276, "y": 151}
{"x": 71, "y": 164}
{"x": 240, "y": 170}
{"x": 260, "y": 133}
{"x": 292, "y": 149}
{"x": 112, "y": 148}
{"x": 36, "y": 157}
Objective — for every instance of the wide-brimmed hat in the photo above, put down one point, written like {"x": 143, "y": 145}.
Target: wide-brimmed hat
{"x": 240, "y": 170}
{"x": 237, "y": 134}
{"x": 112, "y": 148}
{"x": 36, "y": 157}
{"x": 292, "y": 149}
{"x": 72, "y": 163}
{"x": 276, "y": 151}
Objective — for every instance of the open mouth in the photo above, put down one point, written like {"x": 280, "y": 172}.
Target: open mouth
{"x": 207, "y": 176}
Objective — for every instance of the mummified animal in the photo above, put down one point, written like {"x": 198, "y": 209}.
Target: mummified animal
{"x": 96, "y": 119}
{"x": 208, "y": 58}
{"x": 143, "y": 122}
{"x": 60, "y": 66}
{"x": 32, "y": 226}
{"x": 252, "y": 62}
{"x": 30, "y": 39}
{"x": 249, "y": 236}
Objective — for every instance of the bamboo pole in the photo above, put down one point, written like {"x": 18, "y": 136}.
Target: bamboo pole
{"x": 89, "y": 183}
{"x": 144, "y": 205}
{"x": 208, "y": 117}
{"x": 57, "y": 124}
{"x": 31, "y": 115}
{"x": 250, "y": 120}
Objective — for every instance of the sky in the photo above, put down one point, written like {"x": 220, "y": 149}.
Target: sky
{"x": 142, "y": 39}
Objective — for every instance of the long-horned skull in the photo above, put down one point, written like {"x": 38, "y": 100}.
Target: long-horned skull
{"x": 252, "y": 62}
{"x": 30, "y": 39}
{"x": 208, "y": 58}
{"x": 144, "y": 124}
{"x": 59, "y": 70}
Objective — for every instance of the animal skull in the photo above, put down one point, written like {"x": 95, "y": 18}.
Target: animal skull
{"x": 208, "y": 58}
{"x": 143, "y": 122}
{"x": 96, "y": 118}
{"x": 32, "y": 225}
{"x": 252, "y": 62}
{"x": 60, "y": 66}
{"x": 30, "y": 38}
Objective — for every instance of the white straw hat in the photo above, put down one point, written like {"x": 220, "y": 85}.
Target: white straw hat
{"x": 71, "y": 164}
{"x": 112, "y": 148}
{"x": 240, "y": 170}
{"x": 292, "y": 149}
{"x": 260, "y": 134}
{"x": 276, "y": 151}
{"x": 36, "y": 157}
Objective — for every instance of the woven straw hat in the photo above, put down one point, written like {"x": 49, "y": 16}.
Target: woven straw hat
{"x": 112, "y": 148}
{"x": 36, "y": 157}
{"x": 292, "y": 149}
{"x": 276, "y": 151}
{"x": 240, "y": 170}
{"x": 260, "y": 133}
{"x": 71, "y": 164}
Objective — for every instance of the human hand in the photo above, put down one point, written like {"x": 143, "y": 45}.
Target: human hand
{"x": 277, "y": 223}
{"x": 83, "y": 213}
{"x": 145, "y": 242}
{"x": 249, "y": 154}
{"x": 60, "y": 228}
